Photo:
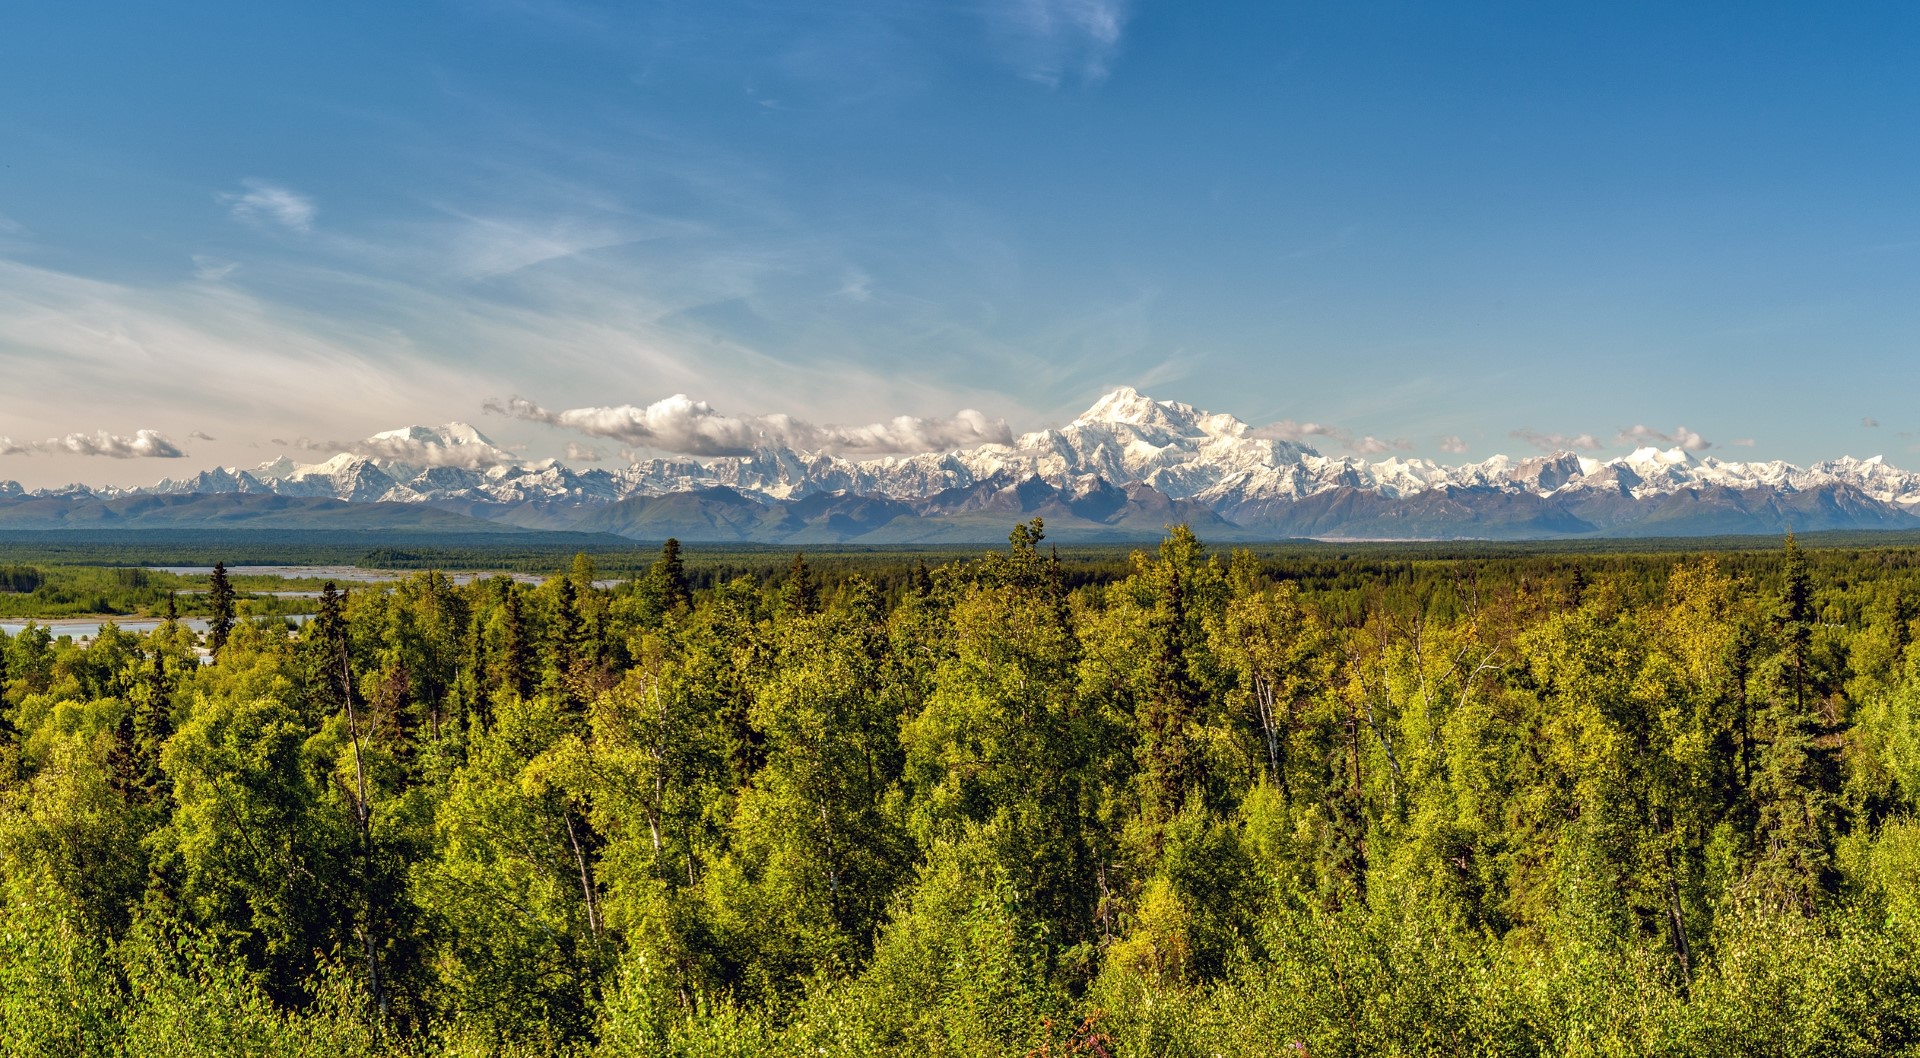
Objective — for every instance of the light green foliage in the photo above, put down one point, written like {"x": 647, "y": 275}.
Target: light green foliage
{"x": 1014, "y": 805}
{"x": 515, "y": 931}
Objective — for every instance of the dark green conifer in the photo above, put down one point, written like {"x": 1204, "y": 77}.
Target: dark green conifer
{"x": 669, "y": 575}
{"x": 800, "y": 593}
{"x": 512, "y": 667}
{"x": 220, "y": 605}
{"x": 323, "y": 655}
{"x": 1796, "y": 785}
{"x": 152, "y": 725}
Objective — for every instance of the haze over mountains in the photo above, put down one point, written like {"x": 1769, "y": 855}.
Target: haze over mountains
{"x": 1125, "y": 469}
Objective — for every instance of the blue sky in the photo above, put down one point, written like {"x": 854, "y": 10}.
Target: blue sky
{"x": 1456, "y": 228}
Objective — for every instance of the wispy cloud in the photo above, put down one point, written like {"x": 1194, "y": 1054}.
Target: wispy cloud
{"x": 13, "y": 234}
{"x": 685, "y": 426}
{"x": 201, "y": 435}
{"x": 1299, "y": 432}
{"x": 1558, "y": 442}
{"x": 265, "y": 203}
{"x": 209, "y": 269}
{"x": 1681, "y": 437}
{"x": 488, "y": 247}
{"x": 207, "y": 356}
{"x": 1052, "y": 41}
{"x": 1870, "y": 422}
{"x": 1290, "y": 430}
{"x": 580, "y": 453}
{"x": 858, "y": 287}
{"x": 1452, "y": 443}
{"x": 1374, "y": 446}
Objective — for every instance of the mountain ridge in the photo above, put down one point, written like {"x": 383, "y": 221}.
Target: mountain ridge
{"x": 1125, "y": 467}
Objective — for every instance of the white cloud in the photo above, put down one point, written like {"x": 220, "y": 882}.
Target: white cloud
{"x": 201, "y": 435}
{"x": 1050, "y": 41}
{"x": 1681, "y": 437}
{"x": 144, "y": 444}
{"x": 1558, "y": 442}
{"x": 265, "y": 203}
{"x": 1869, "y": 422}
{"x": 1452, "y": 443}
{"x": 685, "y": 426}
{"x": 1744, "y": 442}
{"x": 583, "y": 453}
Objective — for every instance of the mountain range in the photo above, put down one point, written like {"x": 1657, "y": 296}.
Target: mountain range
{"x": 1123, "y": 470}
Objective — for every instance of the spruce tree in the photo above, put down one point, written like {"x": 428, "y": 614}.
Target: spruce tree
{"x": 669, "y": 576}
{"x": 220, "y": 603}
{"x": 800, "y": 593}
{"x": 1796, "y": 786}
{"x": 565, "y": 636}
{"x": 1169, "y": 761}
{"x": 9, "y": 733}
{"x": 152, "y": 725}
{"x": 515, "y": 658}
{"x": 323, "y": 655}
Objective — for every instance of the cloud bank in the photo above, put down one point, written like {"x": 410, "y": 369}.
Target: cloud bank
{"x": 684, "y": 426}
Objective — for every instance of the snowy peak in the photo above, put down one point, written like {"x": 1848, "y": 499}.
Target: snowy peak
{"x": 448, "y": 436}
{"x": 1127, "y": 406}
{"x": 275, "y": 469}
{"x": 1123, "y": 405}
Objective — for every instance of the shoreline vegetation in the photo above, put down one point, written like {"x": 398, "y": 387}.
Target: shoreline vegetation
{"x": 1312, "y": 799}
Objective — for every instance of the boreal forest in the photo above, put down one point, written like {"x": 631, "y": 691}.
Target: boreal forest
{"x": 1209, "y": 804}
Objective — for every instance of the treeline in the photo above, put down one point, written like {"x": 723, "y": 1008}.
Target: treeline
{"x": 56, "y": 591}
{"x": 1213, "y": 806}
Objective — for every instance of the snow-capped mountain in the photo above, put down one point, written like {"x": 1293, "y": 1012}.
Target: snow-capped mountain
{"x": 1127, "y": 455}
